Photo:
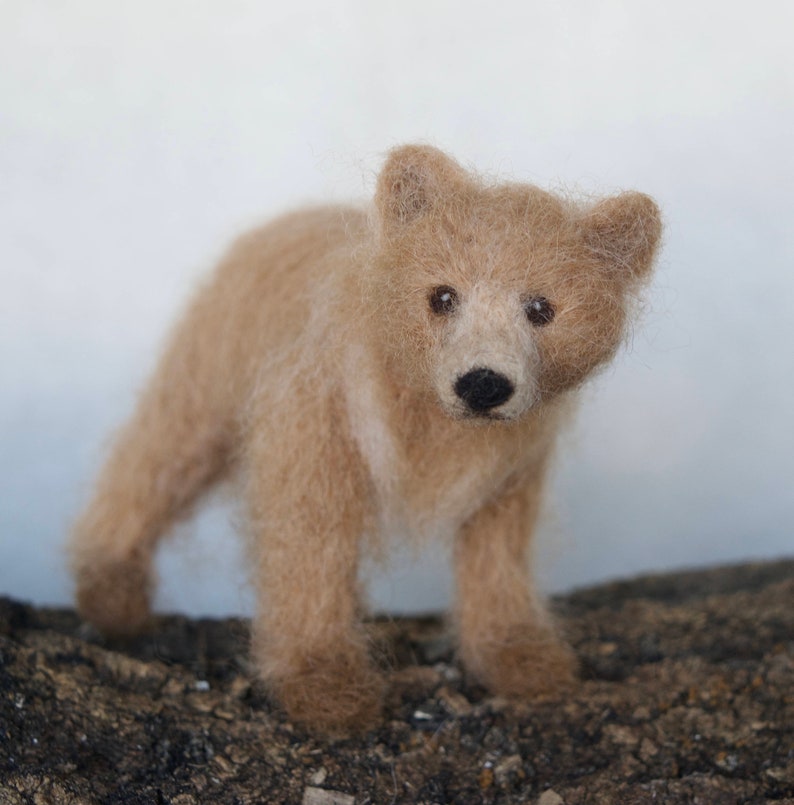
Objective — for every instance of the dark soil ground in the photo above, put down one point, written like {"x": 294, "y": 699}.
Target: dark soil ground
{"x": 687, "y": 696}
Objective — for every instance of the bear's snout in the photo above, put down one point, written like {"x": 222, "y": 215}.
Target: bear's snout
{"x": 483, "y": 389}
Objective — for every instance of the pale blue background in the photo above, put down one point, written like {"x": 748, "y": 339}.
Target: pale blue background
{"x": 137, "y": 139}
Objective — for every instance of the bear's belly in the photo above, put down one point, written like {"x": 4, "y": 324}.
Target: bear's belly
{"x": 429, "y": 507}
{"x": 425, "y": 489}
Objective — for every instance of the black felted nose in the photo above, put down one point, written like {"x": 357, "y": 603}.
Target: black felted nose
{"x": 483, "y": 389}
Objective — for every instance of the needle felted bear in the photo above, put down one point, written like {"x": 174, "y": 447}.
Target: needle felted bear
{"x": 404, "y": 368}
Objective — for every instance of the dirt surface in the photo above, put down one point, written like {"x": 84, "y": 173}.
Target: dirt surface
{"x": 687, "y": 696}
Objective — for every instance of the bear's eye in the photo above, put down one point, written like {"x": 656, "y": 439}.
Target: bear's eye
{"x": 443, "y": 300}
{"x": 539, "y": 310}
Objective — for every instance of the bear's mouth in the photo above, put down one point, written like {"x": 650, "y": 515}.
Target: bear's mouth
{"x": 466, "y": 414}
{"x": 493, "y": 416}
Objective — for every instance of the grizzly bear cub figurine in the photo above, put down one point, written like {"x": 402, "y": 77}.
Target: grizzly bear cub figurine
{"x": 404, "y": 368}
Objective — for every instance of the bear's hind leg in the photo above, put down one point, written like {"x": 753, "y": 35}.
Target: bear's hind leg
{"x": 171, "y": 451}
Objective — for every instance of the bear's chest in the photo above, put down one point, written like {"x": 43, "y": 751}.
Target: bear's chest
{"x": 428, "y": 477}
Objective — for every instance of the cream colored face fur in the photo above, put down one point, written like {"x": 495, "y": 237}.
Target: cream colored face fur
{"x": 489, "y": 330}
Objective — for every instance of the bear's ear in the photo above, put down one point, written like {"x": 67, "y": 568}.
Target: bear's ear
{"x": 413, "y": 181}
{"x": 624, "y": 232}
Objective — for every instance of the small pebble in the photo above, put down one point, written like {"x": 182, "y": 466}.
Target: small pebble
{"x": 321, "y": 796}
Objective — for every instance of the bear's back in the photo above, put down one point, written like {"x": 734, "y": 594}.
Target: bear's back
{"x": 277, "y": 272}
{"x": 274, "y": 280}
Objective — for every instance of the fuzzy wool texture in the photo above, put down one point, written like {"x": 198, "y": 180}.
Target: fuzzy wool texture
{"x": 313, "y": 369}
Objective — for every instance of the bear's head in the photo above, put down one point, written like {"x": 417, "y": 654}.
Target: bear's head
{"x": 496, "y": 297}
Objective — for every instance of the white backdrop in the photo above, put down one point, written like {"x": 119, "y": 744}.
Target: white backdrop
{"x": 137, "y": 139}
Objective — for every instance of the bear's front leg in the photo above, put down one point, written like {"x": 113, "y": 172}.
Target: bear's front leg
{"x": 507, "y": 640}
{"x": 309, "y": 511}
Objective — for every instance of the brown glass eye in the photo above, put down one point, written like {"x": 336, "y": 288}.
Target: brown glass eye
{"x": 539, "y": 311}
{"x": 443, "y": 300}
